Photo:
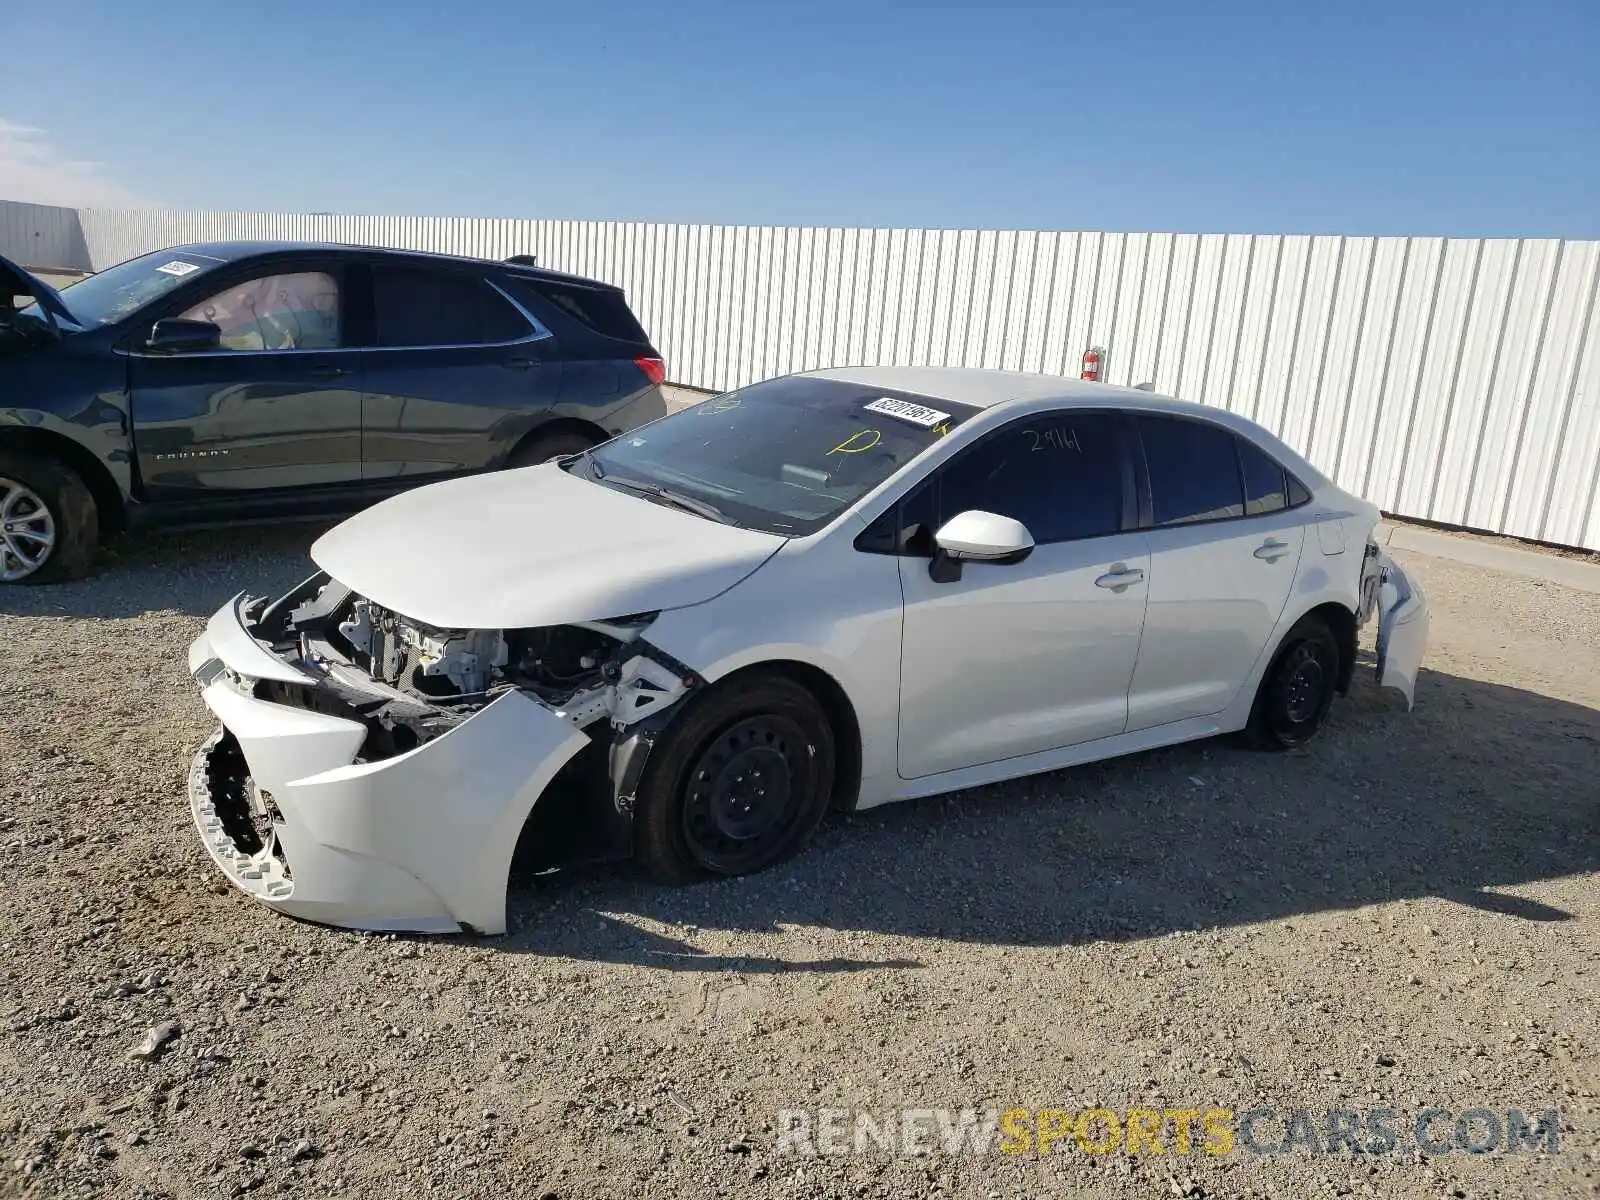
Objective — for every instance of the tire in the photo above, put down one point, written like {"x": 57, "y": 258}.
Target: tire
{"x": 1297, "y": 689}
{"x": 546, "y": 447}
{"x": 702, "y": 811}
{"x": 43, "y": 497}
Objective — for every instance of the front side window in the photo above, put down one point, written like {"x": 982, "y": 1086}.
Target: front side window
{"x": 1060, "y": 475}
{"x": 1194, "y": 470}
{"x": 421, "y": 307}
{"x": 298, "y": 311}
{"x": 784, "y": 456}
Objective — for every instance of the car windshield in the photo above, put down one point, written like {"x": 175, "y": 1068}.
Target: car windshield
{"x": 105, "y": 298}
{"x": 785, "y": 456}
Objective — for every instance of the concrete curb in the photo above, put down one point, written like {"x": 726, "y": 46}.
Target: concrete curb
{"x": 1531, "y": 564}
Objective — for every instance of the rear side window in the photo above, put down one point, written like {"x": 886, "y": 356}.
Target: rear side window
{"x": 1194, "y": 471}
{"x": 419, "y": 307}
{"x": 1060, "y": 475}
{"x": 603, "y": 310}
{"x": 1265, "y": 481}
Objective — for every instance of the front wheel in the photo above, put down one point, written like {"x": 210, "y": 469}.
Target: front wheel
{"x": 737, "y": 784}
{"x": 49, "y": 526}
{"x": 1298, "y": 689}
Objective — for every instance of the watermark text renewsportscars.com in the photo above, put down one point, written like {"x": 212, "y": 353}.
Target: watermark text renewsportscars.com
{"x": 1167, "y": 1131}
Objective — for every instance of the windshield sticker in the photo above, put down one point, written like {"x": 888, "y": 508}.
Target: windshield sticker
{"x": 917, "y": 414}
{"x": 177, "y": 267}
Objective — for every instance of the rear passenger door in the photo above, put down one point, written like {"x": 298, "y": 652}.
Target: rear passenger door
{"x": 457, "y": 371}
{"x": 1225, "y": 543}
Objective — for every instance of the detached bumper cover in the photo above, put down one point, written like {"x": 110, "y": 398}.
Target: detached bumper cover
{"x": 421, "y": 841}
{"x": 1402, "y": 629}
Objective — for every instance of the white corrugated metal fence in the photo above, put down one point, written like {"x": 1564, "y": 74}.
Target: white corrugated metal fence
{"x": 1452, "y": 380}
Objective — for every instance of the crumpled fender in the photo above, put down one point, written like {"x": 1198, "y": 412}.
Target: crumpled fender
{"x": 1403, "y": 628}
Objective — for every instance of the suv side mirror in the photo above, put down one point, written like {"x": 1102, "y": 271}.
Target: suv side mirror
{"x": 177, "y": 334}
{"x": 977, "y": 536}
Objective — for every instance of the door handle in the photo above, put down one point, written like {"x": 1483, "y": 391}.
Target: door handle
{"x": 1272, "y": 550}
{"x": 520, "y": 364}
{"x": 1120, "y": 577}
{"x": 329, "y": 372}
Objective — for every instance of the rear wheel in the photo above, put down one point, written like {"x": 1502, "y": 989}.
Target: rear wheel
{"x": 547, "y": 447}
{"x": 49, "y": 526}
{"x": 737, "y": 784}
{"x": 1297, "y": 689}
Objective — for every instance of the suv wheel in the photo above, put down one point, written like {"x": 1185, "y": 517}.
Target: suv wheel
{"x": 49, "y": 526}
{"x": 543, "y": 448}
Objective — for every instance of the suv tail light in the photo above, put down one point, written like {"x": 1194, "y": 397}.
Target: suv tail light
{"x": 654, "y": 369}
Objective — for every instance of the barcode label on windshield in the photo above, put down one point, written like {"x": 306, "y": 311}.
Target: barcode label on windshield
{"x": 177, "y": 267}
{"x": 917, "y": 414}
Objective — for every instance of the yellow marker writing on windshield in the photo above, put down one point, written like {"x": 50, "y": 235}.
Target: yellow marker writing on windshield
{"x": 942, "y": 429}
{"x": 848, "y": 446}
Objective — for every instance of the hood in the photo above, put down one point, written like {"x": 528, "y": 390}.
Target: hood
{"x": 534, "y": 546}
{"x": 25, "y": 283}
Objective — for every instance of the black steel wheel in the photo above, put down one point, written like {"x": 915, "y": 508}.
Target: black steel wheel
{"x": 1298, "y": 689}
{"x": 737, "y": 783}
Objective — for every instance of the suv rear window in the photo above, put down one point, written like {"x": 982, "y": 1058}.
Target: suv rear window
{"x": 603, "y": 310}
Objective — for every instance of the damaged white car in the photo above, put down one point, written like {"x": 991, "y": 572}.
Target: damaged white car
{"x": 840, "y": 588}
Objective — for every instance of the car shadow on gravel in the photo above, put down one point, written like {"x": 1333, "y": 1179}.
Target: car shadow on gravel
{"x": 193, "y": 571}
{"x": 1481, "y": 787}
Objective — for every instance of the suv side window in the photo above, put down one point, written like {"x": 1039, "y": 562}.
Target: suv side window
{"x": 1061, "y": 475}
{"x": 1266, "y": 487}
{"x": 603, "y": 310}
{"x": 276, "y": 312}
{"x": 416, "y": 306}
{"x": 1193, "y": 468}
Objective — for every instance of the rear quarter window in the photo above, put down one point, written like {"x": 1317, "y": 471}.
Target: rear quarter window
{"x": 602, "y": 310}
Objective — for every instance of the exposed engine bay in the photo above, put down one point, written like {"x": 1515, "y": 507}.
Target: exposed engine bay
{"x": 409, "y": 682}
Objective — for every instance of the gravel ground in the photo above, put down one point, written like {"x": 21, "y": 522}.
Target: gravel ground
{"x": 1403, "y": 915}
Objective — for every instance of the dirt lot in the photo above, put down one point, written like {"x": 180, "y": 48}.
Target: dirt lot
{"x": 1403, "y": 916}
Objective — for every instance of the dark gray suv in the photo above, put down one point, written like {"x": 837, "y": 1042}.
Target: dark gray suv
{"x": 238, "y": 381}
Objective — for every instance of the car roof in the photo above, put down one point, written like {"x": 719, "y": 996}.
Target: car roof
{"x": 234, "y": 250}
{"x": 985, "y": 388}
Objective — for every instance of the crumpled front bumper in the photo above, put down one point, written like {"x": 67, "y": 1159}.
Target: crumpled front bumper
{"x": 421, "y": 841}
{"x": 1402, "y": 628}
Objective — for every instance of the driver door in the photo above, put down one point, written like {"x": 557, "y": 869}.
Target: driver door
{"x": 277, "y": 404}
{"x": 1016, "y": 659}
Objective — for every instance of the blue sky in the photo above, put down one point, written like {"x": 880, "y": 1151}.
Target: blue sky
{"x": 1456, "y": 118}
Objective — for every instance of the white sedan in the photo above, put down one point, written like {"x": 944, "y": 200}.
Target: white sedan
{"x": 834, "y": 589}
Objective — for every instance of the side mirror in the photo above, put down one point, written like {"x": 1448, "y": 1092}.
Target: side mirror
{"x": 977, "y": 536}
{"x": 177, "y": 334}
